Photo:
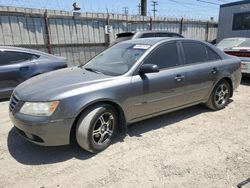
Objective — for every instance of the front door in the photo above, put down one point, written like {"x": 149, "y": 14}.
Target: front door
{"x": 157, "y": 92}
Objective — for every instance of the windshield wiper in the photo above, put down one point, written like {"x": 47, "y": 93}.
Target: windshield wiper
{"x": 93, "y": 70}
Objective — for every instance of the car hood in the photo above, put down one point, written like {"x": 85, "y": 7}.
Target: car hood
{"x": 58, "y": 84}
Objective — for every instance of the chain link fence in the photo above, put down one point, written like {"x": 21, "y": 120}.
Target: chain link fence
{"x": 80, "y": 36}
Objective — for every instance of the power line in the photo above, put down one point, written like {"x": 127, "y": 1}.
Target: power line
{"x": 187, "y": 3}
{"x": 208, "y": 2}
{"x": 187, "y": 6}
{"x": 154, "y": 7}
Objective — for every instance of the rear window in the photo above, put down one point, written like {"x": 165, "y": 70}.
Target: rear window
{"x": 246, "y": 43}
{"x": 9, "y": 57}
{"x": 120, "y": 39}
{"x": 232, "y": 42}
{"x": 123, "y": 37}
{"x": 129, "y": 34}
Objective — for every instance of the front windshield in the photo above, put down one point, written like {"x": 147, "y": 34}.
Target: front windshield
{"x": 117, "y": 60}
{"x": 230, "y": 43}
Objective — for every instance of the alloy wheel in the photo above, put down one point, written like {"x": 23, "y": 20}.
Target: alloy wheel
{"x": 221, "y": 94}
{"x": 103, "y": 129}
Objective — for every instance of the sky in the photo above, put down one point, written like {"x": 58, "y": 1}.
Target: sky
{"x": 194, "y": 9}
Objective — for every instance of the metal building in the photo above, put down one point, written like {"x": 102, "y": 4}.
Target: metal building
{"x": 234, "y": 20}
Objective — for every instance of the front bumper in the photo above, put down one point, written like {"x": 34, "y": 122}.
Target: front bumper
{"x": 42, "y": 131}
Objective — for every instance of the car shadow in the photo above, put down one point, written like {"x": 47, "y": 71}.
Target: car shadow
{"x": 137, "y": 129}
{"x": 245, "y": 81}
{"x": 30, "y": 154}
{"x": 4, "y": 100}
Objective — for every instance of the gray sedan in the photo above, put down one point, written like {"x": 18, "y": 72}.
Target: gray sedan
{"x": 126, "y": 83}
{"x": 19, "y": 64}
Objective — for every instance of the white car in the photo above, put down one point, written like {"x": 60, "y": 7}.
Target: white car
{"x": 239, "y": 47}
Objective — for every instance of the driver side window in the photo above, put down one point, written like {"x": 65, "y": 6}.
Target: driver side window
{"x": 165, "y": 56}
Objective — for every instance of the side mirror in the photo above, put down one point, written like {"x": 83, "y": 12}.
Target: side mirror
{"x": 148, "y": 68}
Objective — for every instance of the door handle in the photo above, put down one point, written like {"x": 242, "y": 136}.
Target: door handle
{"x": 179, "y": 78}
{"x": 215, "y": 70}
{"x": 23, "y": 69}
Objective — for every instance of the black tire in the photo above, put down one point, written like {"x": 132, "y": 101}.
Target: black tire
{"x": 220, "y": 96}
{"x": 98, "y": 122}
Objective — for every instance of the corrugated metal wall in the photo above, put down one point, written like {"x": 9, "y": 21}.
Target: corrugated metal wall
{"x": 226, "y": 21}
{"x": 80, "y": 36}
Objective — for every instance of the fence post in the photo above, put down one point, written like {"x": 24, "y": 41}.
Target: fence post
{"x": 107, "y": 36}
{"x": 181, "y": 26}
{"x": 150, "y": 24}
{"x": 207, "y": 31}
{"x": 46, "y": 21}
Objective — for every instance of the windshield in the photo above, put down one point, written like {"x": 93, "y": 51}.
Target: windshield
{"x": 116, "y": 60}
{"x": 230, "y": 43}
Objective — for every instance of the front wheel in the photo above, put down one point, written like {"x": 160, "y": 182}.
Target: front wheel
{"x": 220, "y": 96}
{"x": 96, "y": 128}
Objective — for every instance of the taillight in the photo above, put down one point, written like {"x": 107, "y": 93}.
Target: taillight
{"x": 239, "y": 53}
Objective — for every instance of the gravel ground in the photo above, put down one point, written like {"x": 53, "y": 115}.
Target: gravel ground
{"x": 194, "y": 147}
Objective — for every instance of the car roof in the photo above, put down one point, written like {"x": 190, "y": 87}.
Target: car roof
{"x": 157, "y": 40}
{"x": 27, "y": 50}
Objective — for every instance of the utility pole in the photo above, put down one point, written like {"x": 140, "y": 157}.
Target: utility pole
{"x": 144, "y": 7}
{"x": 139, "y": 8}
{"x": 125, "y": 9}
{"x": 154, "y": 7}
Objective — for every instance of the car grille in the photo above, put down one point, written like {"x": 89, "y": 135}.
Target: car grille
{"x": 13, "y": 102}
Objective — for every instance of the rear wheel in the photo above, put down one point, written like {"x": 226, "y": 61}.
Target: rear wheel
{"x": 220, "y": 96}
{"x": 96, "y": 128}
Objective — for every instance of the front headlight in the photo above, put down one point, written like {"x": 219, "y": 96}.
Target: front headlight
{"x": 39, "y": 108}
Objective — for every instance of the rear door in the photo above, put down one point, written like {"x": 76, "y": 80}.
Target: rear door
{"x": 14, "y": 67}
{"x": 158, "y": 92}
{"x": 201, "y": 69}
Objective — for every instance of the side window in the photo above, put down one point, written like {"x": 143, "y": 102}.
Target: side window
{"x": 165, "y": 56}
{"x": 168, "y": 35}
{"x": 4, "y": 58}
{"x": 176, "y": 35}
{"x": 163, "y": 35}
{"x": 148, "y": 35}
{"x": 8, "y": 57}
{"x": 212, "y": 56}
{"x": 194, "y": 52}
